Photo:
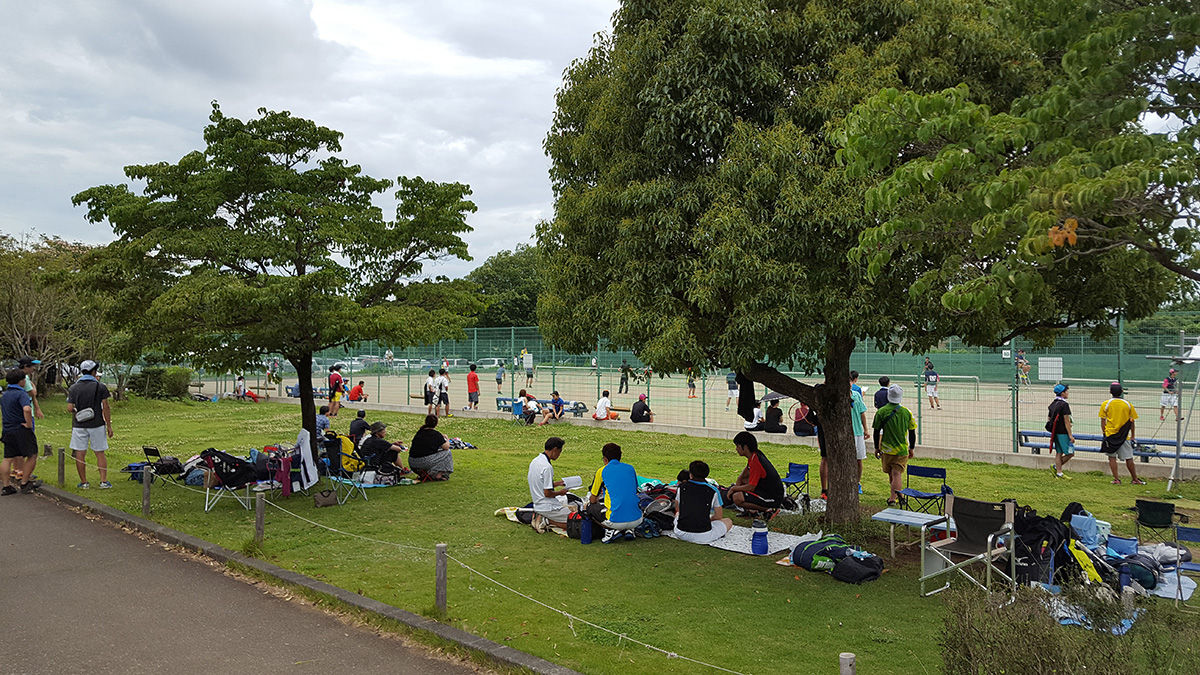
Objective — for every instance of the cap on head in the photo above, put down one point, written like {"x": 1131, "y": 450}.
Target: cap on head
{"x": 895, "y": 394}
{"x": 1060, "y": 388}
{"x": 362, "y": 413}
{"x": 641, "y": 397}
{"x": 377, "y": 427}
{"x": 88, "y": 366}
{"x": 1174, "y": 371}
{"x": 1116, "y": 389}
{"x": 26, "y": 361}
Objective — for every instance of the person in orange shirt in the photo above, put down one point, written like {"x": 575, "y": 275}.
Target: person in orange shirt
{"x": 357, "y": 393}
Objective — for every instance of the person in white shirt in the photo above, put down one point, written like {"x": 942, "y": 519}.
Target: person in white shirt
{"x": 757, "y": 423}
{"x": 431, "y": 398}
{"x": 547, "y": 494}
{"x": 604, "y": 408}
{"x": 441, "y": 386}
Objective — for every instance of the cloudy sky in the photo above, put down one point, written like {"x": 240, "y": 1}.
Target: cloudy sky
{"x": 450, "y": 90}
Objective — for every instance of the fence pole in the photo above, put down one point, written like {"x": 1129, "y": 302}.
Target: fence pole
{"x": 1121, "y": 348}
{"x": 440, "y": 596}
{"x": 920, "y": 407}
{"x": 260, "y": 515}
{"x": 47, "y": 450}
{"x": 553, "y": 368}
{"x": 703, "y": 398}
{"x": 147, "y": 481}
{"x": 62, "y": 466}
{"x": 846, "y": 664}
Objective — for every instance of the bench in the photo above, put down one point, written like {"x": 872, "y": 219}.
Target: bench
{"x": 196, "y": 385}
{"x": 576, "y": 408}
{"x": 293, "y": 391}
{"x": 1142, "y": 447}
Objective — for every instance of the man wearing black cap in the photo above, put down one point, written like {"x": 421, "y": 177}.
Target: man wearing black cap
{"x": 29, "y": 365}
{"x": 381, "y": 453}
{"x": 359, "y": 427}
{"x": 1116, "y": 423}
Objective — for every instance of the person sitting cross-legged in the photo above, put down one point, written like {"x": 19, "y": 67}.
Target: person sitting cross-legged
{"x": 616, "y": 484}
{"x": 382, "y": 454}
{"x": 699, "y": 518}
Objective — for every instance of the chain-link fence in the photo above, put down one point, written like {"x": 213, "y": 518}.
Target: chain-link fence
{"x": 982, "y": 407}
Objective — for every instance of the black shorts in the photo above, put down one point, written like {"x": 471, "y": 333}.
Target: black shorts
{"x": 752, "y": 498}
{"x": 444, "y": 397}
{"x": 19, "y": 442}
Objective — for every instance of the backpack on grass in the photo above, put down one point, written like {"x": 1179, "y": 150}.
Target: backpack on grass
{"x": 856, "y": 569}
{"x": 821, "y": 555}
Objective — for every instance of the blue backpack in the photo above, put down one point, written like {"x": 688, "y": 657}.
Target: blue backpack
{"x": 821, "y": 555}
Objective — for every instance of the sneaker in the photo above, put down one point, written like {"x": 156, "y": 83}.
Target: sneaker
{"x": 610, "y": 536}
{"x": 726, "y": 408}
{"x": 1115, "y": 481}
{"x": 83, "y": 486}
{"x": 540, "y": 523}
{"x": 1058, "y": 475}
{"x": 891, "y": 503}
{"x": 824, "y": 495}
{"x": 466, "y": 407}
{"x": 1137, "y": 481}
{"x": 26, "y": 488}
{"x": 8, "y": 490}
{"x": 105, "y": 485}
{"x": 1161, "y": 418}
{"x": 630, "y": 535}
{"x": 860, "y": 490}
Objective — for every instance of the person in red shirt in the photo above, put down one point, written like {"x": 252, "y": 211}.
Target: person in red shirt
{"x": 357, "y": 393}
{"x": 472, "y": 389}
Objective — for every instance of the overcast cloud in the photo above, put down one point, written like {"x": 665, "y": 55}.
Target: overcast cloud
{"x": 451, "y": 91}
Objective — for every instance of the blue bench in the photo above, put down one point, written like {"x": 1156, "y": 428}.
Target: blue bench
{"x": 576, "y": 408}
{"x": 293, "y": 391}
{"x": 1142, "y": 447}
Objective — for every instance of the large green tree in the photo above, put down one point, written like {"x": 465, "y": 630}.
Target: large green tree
{"x": 280, "y": 249}
{"x": 703, "y": 217}
{"x": 1103, "y": 159}
{"x": 510, "y": 284}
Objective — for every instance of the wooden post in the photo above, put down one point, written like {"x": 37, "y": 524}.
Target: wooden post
{"x": 260, "y": 513}
{"x": 62, "y": 466}
{"x": 147, "y": 481}
{"x": 441, "y": 578}
{"x": 47, "y": 450}
{"x": 846, "y": 663}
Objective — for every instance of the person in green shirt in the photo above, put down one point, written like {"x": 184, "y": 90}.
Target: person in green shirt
{"x": 858, "y": 418}
{"x": 891, "y": 446}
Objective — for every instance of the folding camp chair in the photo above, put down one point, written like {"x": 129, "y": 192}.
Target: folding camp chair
{"x": 153, "y": 460}
{"x": 344, "y": 463}
{"x": 287, "y": 470}
{"x": 978, "y": 528}
{"x": 1158, "y": 518}
{"x": 796, "y": 481}
{"x": 519, "y": 415}
{"x": 228, "y": 476}
{"x": 1192, "y": 535}
{"x": 912, "y": 499}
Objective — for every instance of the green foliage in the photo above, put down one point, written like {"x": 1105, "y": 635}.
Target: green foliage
{"x": 1057, "y": 193}
{"x": 509, "y": 281}
{"x": 162, "y": 383}
{"x": 266, "y": 242}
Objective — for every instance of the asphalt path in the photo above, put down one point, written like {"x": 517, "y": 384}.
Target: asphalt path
{"x": 85, "y": 597}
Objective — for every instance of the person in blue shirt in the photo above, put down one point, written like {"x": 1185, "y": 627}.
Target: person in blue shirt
{"x": 322, "y": 421}
{"x": 613, "y": 501}
{"x": 553, "y": 411}
{"x": 854, "y": 382}
{"x": 20, "y": 443}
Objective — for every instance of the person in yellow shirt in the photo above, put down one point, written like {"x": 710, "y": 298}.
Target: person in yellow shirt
{"x": 1117, "y": 424}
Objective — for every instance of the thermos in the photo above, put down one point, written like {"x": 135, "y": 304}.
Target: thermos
{"x": 585, "y": 531}
{"x": 758, "y": 543}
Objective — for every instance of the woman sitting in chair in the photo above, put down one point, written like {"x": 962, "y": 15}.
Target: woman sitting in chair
{"x": 430, "y": 454}
{"x": 529, "y": 404}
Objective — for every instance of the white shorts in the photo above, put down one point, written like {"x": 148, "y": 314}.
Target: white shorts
{"x": 931, "y": 390}
{"x": 860, "y": 447}
{"x": 1169, "y": 401}
{"x": 96, "y": 436}
{"x": 718, "y": 530}
{"x": 608, "y": 524}
{"x": 558, "y": 515}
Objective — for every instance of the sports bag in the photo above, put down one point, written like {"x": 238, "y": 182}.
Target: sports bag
{"x": 822, "y": 554}
{"x": 168, "y": 466}
{"x": 857, "y": 570}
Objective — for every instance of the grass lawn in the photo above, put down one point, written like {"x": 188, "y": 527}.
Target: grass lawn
{"x": 739, "y": 612}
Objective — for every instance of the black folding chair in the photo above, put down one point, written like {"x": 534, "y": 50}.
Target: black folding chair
{"x": 1158, "y": 519}
{"x": 229, "y": 476}
{"x": 978, "y": 528}
{"x": 154, "y": 465}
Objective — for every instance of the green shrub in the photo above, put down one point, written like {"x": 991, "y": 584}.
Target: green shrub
{"x": 161, "y": 383}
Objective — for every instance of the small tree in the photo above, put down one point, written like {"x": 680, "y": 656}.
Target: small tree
{"x": 510, "y": 283}
{"x": 279, "y": 248}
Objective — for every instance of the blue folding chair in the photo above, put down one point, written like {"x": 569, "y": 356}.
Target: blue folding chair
{"x": 1190, "y": 534}
{"x": 518, "y": 411}
{"x": 912, "y": 499}
{"x": 796, "y": 481}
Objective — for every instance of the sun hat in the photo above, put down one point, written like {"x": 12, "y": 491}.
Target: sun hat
{"x": 377, "y": 427}
{"x": 1060, "y": 388}
{"x": 895, "y": 394}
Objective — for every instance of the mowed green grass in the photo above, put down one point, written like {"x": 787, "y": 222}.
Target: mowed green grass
{"x": 739, "y": 612}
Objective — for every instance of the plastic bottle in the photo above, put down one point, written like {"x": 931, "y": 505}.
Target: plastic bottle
{"x": 585, "y": 531}
{"x": 758, "y": 542}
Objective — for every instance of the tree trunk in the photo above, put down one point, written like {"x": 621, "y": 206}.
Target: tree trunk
{"x": 833, "y": 411}
{"x": 308, "y": 409}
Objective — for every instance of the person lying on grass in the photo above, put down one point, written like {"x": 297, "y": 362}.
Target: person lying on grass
{"x": 382, "y": 454}
{"x": 429, "y": 454}
{"x": 758, "y": 488}
{"x": 699, "y": 517}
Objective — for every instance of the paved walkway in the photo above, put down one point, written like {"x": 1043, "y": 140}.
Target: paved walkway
{"x": 84, "y": 597}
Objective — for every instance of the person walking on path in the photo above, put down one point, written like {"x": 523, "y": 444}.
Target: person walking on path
{"x": 1062, "y": 439}
{"x": 29, "y": 365}
{"x": 91, "y": 422}
{"x": 931, "y": 385}
{"x": 472, "y": 389}
{"x": 858, "y": 422}
{"x": 1170, "y": 395}
{"x": 1117, "y": 424}
{"x": 891, "y": 447}
{"x": 20, "y": 443}
{"x": 623, "y": 385}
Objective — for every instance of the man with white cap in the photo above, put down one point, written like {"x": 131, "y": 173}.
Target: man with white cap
{"x": 91, "y": 422}
{"x": 30, "y": 364}
{"x": 1170, "y": 395}
{"x": 891, "y": 447}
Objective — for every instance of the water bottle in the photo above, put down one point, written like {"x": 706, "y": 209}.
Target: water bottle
{"x": 1124, "y": 578}
{"x": 585, "y": 531}
{"x": 758, "y": 543}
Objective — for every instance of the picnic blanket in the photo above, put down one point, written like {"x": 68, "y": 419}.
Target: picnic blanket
{"x": 510, "y": 512}
{"x": 1168, "y": 586}
{"x": 738, "y": 539}
{"x": 355, "y": 483}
